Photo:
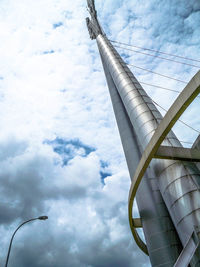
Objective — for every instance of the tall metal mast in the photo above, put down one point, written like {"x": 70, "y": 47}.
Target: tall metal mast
{"x": 168, "y": 197}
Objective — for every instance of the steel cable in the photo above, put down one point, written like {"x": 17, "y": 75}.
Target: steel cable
{"x": 156, "y": 51}
{"x": 157, "y": 73}
{"x": 160, "y": 87}
{"x": 179, "y": 119}
{"x": 168, "y": 59}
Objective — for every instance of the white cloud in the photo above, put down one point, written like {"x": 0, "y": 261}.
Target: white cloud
{"x": 52, "y": 85}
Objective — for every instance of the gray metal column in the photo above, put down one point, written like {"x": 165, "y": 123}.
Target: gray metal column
{"x": 162, "y": 241}
{"x": 177, "y": 181}
{"x": 197, "y": 146}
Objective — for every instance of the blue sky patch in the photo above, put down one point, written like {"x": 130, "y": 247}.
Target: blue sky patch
{"x": 104, "y": 164}
{"x": 104, "y": 175}
{"x": 124, "y": 56}
{"x": 68, "y": 149}
{"x": 63, "y": 90}
{"x": 48, "y": 52}
{"x": 58, "y": 24}
{"x": 104, "y": 172}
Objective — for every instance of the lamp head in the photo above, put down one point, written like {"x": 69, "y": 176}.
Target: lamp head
{"x": 43, "y": 218}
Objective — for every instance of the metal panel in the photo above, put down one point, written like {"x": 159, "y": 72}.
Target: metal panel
{"x": 187, "y": 204}
{"x": 160, "y": 166}
{"x": 154, "y": 218}
{"x": 178, "y": 153}
{"x": 188, "y": 251}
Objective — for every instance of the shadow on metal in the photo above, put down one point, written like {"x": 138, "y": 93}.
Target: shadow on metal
{"x": 155, "y": 150}
{"x": 188, "y": 251}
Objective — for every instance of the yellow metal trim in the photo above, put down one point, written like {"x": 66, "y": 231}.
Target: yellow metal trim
{"x": 184, "y": 99}
{"x": 178, "y": 153}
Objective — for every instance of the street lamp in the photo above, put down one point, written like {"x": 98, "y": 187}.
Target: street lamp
{"x": 39, "y": 218}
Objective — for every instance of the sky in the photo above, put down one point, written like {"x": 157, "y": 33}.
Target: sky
{"x": 60, "y": 150}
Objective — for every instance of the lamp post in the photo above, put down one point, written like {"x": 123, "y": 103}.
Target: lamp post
{"x": 39, "y": 218}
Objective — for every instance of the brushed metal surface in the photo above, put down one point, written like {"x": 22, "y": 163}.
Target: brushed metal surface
{"x": 188, "y": 251}
{"x": 196, "y": 145}
{"x": 145, "y": 127}
{"x": 178, "y": 153}
{"x": 180, "y": 195}
{"x": 158, "y": 228}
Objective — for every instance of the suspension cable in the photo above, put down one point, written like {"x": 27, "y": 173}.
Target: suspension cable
{"x": 157, "y": 73}
{"x": 157, "y": 86}
{"x": 157, "y": 51}
{"x": 168, "y": 59}
{"x": 190, "y": 127}
{"x": 179, "y": 119}
{"x": 160, "y": 87}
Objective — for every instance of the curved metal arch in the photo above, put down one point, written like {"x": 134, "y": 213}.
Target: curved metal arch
{"x": 182, "y": 102}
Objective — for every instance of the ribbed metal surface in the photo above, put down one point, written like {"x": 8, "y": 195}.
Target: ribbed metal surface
{"x": 178, "y": 182}
{"x": 196, "y": 145}
{"x": 162, "y": 240}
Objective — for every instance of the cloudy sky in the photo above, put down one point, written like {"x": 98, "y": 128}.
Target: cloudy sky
{"x": 60, "y": 149}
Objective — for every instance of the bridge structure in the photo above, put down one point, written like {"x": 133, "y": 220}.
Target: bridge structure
{"x": 165, "y": 176}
